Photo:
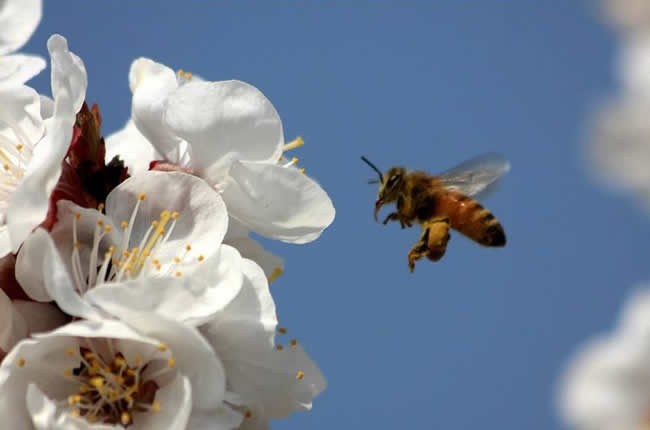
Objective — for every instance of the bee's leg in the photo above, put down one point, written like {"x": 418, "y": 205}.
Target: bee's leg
{"x": 438, "y": 238}
{"x": 393, "y": 216}
{"x": 419, "y": 250}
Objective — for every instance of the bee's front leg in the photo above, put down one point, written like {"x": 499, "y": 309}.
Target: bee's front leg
{"x": 393, "y": 216}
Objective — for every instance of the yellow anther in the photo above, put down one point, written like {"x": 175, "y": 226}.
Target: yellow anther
{"x": 188, "y": 75}
{"x": 201, "y": 258}
{"x": 156, "y": 261}
{"x": 282, "y": 330}
{"x": 171, "y": 362}
{"x": 119, "y": 379}
{"x": 178, "y": 274}
{"x": 100, "y": 207}
{"x": 142, "y": 196}
{"x": 248, "y": 413}
{"x": 294, "y": 160}
{"x": 175, "y": 215}
{"x": 300, "y": 374}
{"x": 71, "y": 401}
{"x": 88, "y": 355}
{"x": 155, "y": 407}
{"x": 279, "y": 347}
{"x": 125, "y": 253}
{"x": 177, "y": 260}
{"x": 293, "y": 342}
{"x": 124, "y": 224}
{"x": 302, "y": 170}
{"x": 83, "y": 388}
{"x": 137, "y": 360}
{"x": 70, "y": 351}
{"x": 76, "y": 244}
{"x": 97, "y": 382}
{"x": 162, "y": 347}
{"x": 125, "y": 418}
{"x": 6, "y": 166}
{"x": 119, "y": 361}
{"x": 67, "y": 373}
{"x": 100, "y": 222}
{"x": 188, "y": 247}
{"x": 296, "y": 143}
{"x": 77, "y": 215}
{"x": 75, "y": 413}
{"x": 180, "y": 72}
{"x": 107, "y": 228}
{"x": 19, "y": 147}
{"x": 277, "y": 272}
{"x": 107, "y": 369}
{"x": 21, "y": 362}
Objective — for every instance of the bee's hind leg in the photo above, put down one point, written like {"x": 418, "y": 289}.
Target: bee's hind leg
{"x": 432, "y": 243}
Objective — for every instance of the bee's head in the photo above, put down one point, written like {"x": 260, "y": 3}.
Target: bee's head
{"x": 389, "y": 184}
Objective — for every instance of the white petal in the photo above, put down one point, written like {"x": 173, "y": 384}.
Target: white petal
{"x": 151, "y": 83}
{"x": 252, "y": 250}
{"x": 13, "y": 327}
{"x": 180, "y": 299}
{"x": 224, "y": 121}
{"x": 69, "y": 78}
{"x": 53, "y": 274}
{"x": 19, "y": 68}
{"x": 223, "y": 418}
{"x": 202, "y": 222}
{"x": 47, "y": 107}
{"x": 20, "y": 116}
{"x": 41, "y": 409}
{"x": 18, "y": 20}
{"x": 175, "y": 401}
{"x": 132, "y": 147}
{"x": 29, "y": 203}
{"x": 277, "y": 202}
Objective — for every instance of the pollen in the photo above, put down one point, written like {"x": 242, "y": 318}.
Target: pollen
{"x": 293, "y": 342}
{"x": 277, "y": 272}
{"x": 100, "y": 207}
{"x": 21, "y": 362}
{"x": 171, "y": 362}
{"x": 107, "y": 229}
{"x": 181, "y": 72}
{"x": 248, "y": 413}
{"x": 279, "y": 347}
{"x": 77, "y": 215}
{"x": 302, "y": 170}
{"x": 162, "y": 347}
{"x": 155, "y": 407}
{"x": 19, "y": 147}
{"x": 6, "y": 166}
{"x": 300, "y": 374}
{"x": 175, "y": 215}
{"x": 178, "y": 274}
{"x": 188, "y": 247}
{"x": 142, "y": 196}
{"x": 296, "y": 143}
{"x": 124, "y": 224}
{"x": 188, "y": 75}
{"x": 201, "y": 258}
{"x": 282, "y": 330}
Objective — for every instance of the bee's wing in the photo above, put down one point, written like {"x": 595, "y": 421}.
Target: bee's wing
{"x": 476, "y": 177}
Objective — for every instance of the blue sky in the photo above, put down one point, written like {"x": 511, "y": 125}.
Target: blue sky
{"x": 478, "y": 339}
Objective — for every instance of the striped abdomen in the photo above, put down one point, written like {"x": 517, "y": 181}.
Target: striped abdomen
{"x": 467, "y": 216}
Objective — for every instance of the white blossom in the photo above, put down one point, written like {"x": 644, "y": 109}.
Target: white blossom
{"x": 159, "y": 230}
{"x": 32, "y": 150}
{"x": 105, "y": 375}
{"x": 18, "y": 20}
{"x": 229, "y": 134}
{"x": 607, "y": 384}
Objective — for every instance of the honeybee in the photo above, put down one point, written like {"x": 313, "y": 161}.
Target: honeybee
{"x": 443, "y": 201}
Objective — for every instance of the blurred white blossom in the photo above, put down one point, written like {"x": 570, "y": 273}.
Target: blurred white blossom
{"x": 607, "y": 384}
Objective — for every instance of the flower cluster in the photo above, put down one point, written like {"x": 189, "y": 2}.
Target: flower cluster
{"x": 620, "y": 136}
{"x": 133, "y": 295}
{"x": 606, "y": 385}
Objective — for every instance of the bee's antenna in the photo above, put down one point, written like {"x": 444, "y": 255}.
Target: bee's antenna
{"x": 373, "y": 181}
{"x": 381, "y": 177}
